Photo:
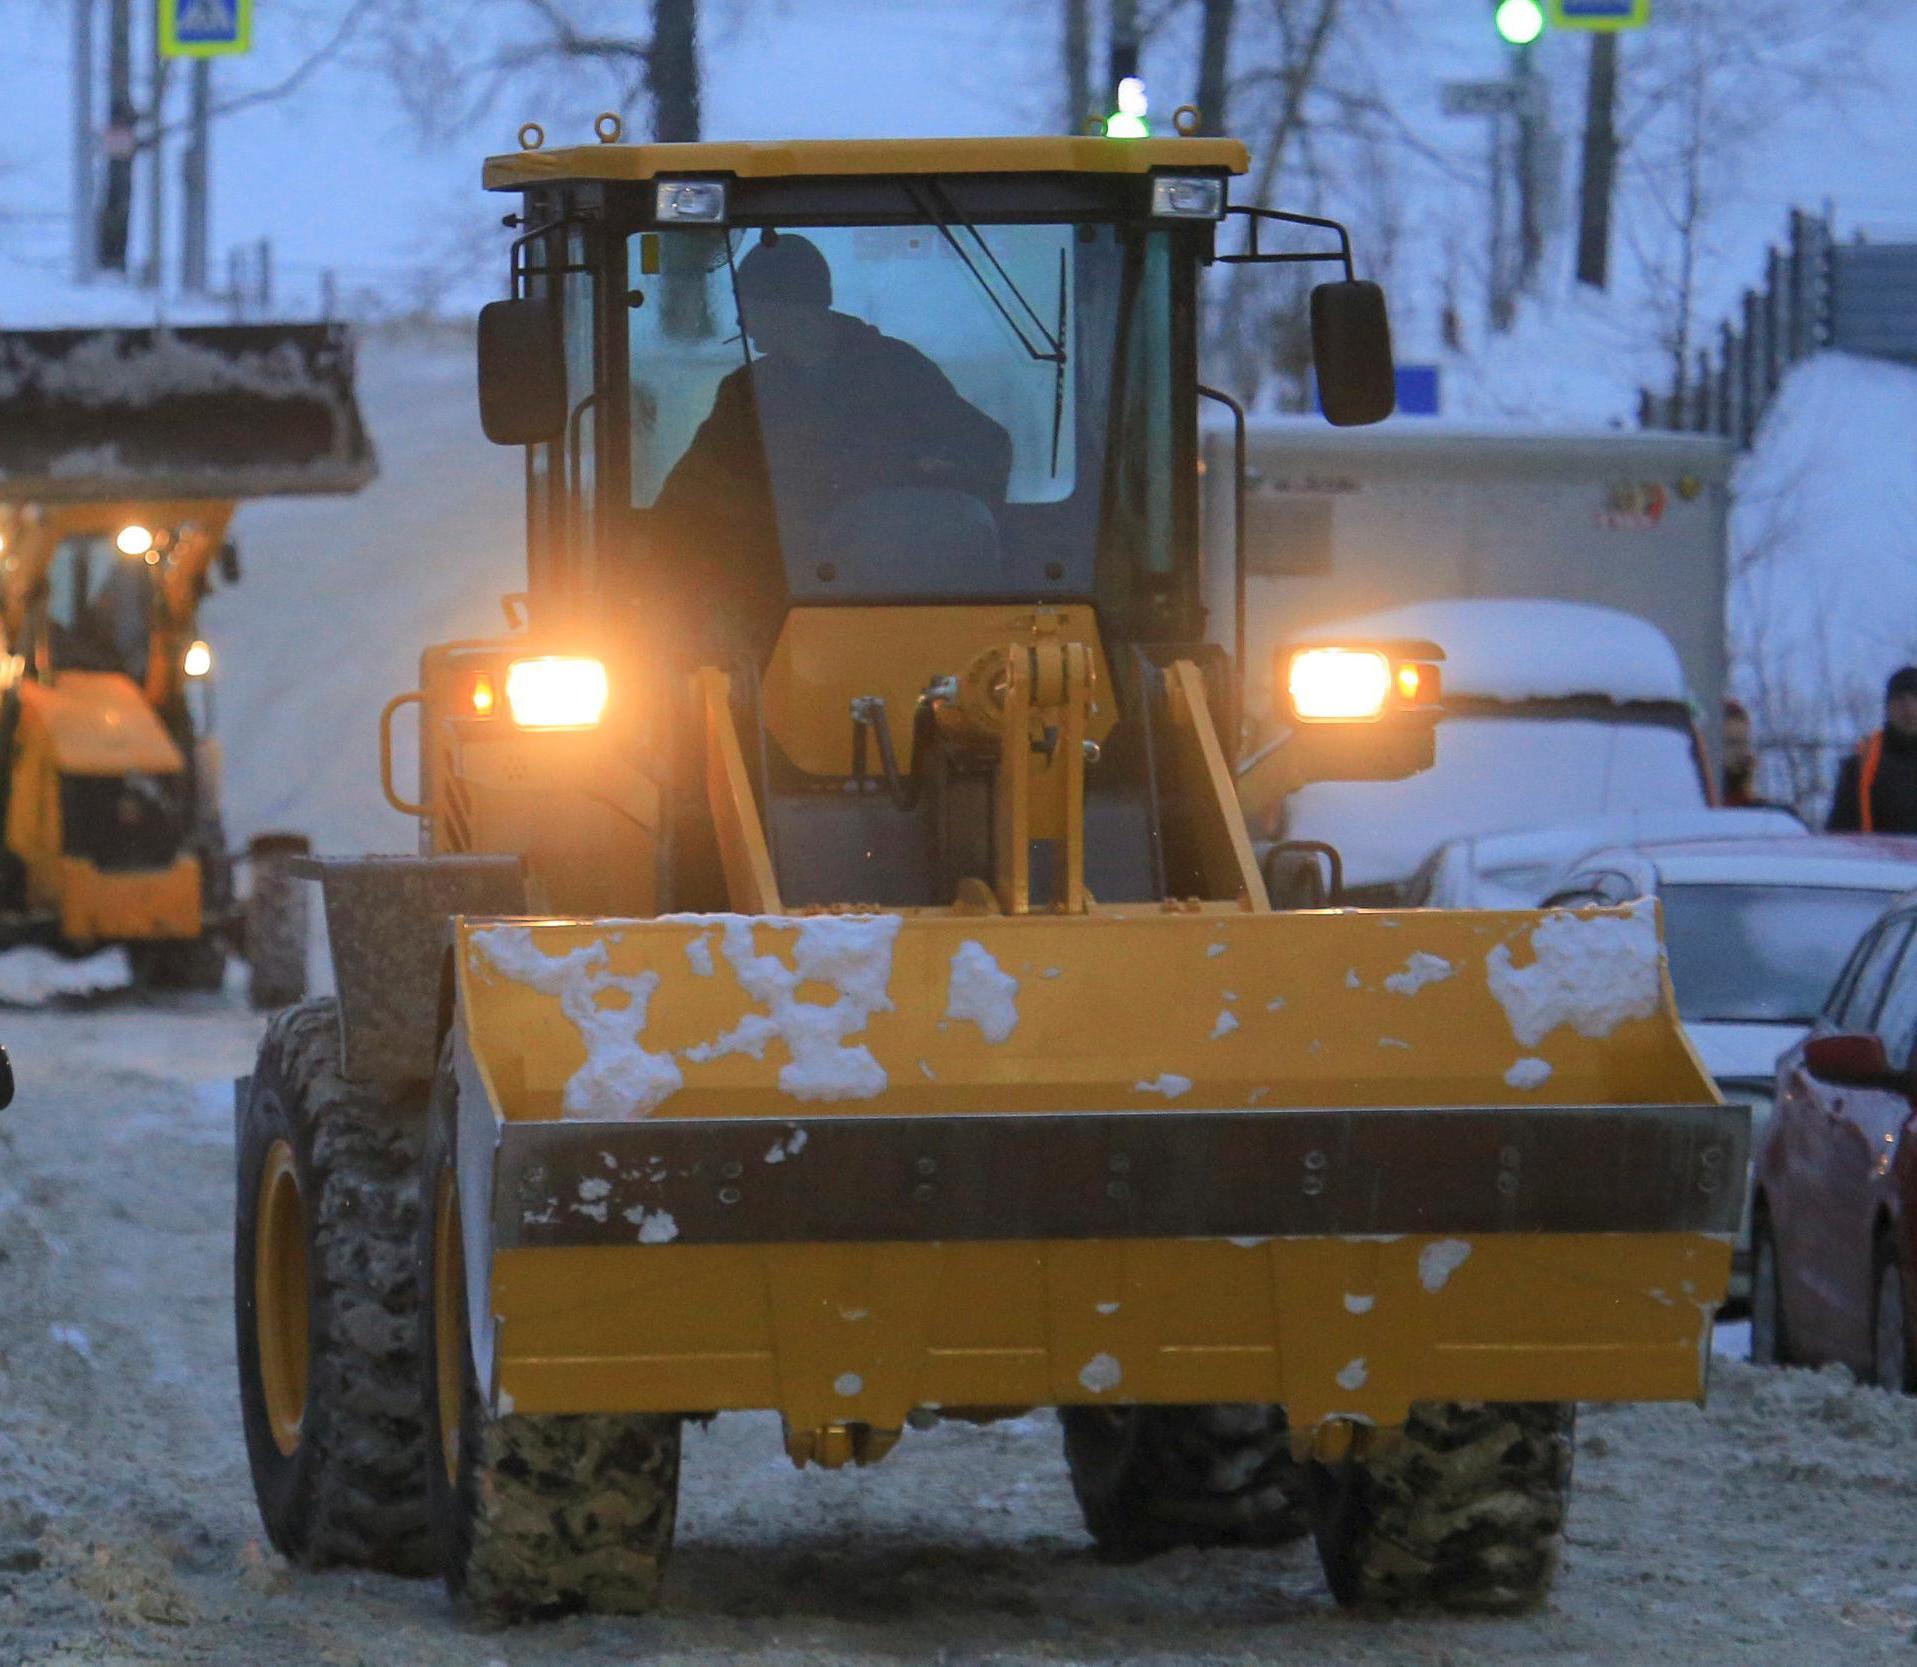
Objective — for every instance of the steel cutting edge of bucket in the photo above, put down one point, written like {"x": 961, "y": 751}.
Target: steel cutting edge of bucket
{"x": 199, "y": 411}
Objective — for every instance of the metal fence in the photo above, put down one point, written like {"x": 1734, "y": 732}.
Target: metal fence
{"x": 1817, "y": 293}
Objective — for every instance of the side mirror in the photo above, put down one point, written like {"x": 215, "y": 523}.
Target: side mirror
{"x": 230, "y": 562}
{"x": 1851, "y": 1062}
{"x": 1351, "y": 352}
{"x": 522, "y": 372}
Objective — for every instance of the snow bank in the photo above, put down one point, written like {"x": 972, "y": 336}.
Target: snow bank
{"x": 1823, "y": 601}
{"x": 1592, "y": 973}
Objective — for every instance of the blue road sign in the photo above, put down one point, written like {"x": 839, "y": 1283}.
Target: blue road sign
{"x": 205, "y": 28}
{"x": 1417, "y": 392}
{"x": 1600, "y": 14}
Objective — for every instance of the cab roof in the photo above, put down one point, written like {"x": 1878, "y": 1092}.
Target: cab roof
{"x": 824, "y": 158}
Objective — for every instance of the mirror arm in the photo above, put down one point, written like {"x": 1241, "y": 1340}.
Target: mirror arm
{"x": 1254, "y": 253}
{"x": 1238, "y": 462}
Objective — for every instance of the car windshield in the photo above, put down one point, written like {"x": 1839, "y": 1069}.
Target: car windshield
{"x": 1761, "y": 954}
{"x": 1494, "y": 773}
{"x": 910, "y": 411}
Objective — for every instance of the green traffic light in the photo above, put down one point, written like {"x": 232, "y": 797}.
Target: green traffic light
{"x": 1520, "y": 21}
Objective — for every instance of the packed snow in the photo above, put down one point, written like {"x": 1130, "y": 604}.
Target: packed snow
{"x": 1438, "y": 1261}
{"x": 982, "y": 992}
{"x": 1421, "y": 969}
{"x": 1591, "y": 972}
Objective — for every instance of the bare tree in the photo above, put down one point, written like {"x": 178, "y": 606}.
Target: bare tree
{"x": 1697, "y": 94}
{"x": 453, "y": 66}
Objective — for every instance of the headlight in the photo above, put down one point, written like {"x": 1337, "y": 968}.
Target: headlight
{"x": 556, "y": 691}
{"x": 1183, "y": 197}
{"x": 133, "y": 539}
{"x": 695, "y": 201}
{"x": 198, "y": 661}
{"x": 1329, "y": 684}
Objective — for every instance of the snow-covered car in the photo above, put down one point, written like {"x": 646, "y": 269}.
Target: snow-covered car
{"x": 1757, "y": 931}
{"x": 1554, "y": 712}
{"x": 1514, "y": 868}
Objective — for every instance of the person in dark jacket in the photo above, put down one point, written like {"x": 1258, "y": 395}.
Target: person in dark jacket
{"x": 1877, "y": 787}
{"x": 830, "y": 409}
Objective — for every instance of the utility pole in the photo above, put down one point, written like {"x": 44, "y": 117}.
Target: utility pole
{"x": 1122, "y": 49}
{"x": 195, "y": 172}
{"x": 1529, "y": 160}
{"x": 85, "y": 232}
{"x": 154, "y": 273}
{"x": 1078, "y": 64}
{"x": 1599, "y": 172}
{"x": 116, "y": 208}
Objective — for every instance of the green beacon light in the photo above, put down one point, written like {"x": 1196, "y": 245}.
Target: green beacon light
{"x": 1520, "y": 21}
{"x": 1128, "y": 121}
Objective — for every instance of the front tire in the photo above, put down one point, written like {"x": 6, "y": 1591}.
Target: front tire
{"x": 1770, "y": 1335}
{"x": 533, "y": 1515}
{"x": 326, "y": 1305}
{"x": 1464, "y": 1513}
{"x": 1152, "y": 1479}
{"x": 1889, "y": 1324}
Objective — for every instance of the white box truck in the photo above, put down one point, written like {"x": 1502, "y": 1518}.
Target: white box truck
{"x": 1405, "y": 521}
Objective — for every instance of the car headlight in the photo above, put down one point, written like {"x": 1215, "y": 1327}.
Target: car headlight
{"x": 556, "y": 691}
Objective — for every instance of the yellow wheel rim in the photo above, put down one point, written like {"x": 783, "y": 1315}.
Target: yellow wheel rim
{"x": 279, "y": 1296}
{"x": 449, "y": 1291}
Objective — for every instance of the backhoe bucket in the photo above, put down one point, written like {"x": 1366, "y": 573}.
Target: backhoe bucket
{"x": 198, "y": 412}
{"x": 846, "y": 1166}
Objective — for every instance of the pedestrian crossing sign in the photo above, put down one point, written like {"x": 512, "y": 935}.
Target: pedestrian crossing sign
{"x": 205, "y": 28}
{"x": 1603, "y": 15}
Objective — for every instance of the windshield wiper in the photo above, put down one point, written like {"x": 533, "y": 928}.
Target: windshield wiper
{"x": 932, "y": 202}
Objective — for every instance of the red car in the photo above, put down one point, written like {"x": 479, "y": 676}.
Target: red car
{"x": 1833, "y": 1262}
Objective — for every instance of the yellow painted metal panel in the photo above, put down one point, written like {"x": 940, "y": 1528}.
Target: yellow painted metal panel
{"x": 98, "y": 723}
{"x": 828, "y": 157}
{"x": 827, "y": 657}
{"x": 95, "y": 906}
{"x": 1144, "y": 1008}
{"x": 1331, "y": 1328}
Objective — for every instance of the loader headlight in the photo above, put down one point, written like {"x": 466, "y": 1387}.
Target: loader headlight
{"x": 1329, "y": 685}
{"x": 690, "y": 201}
{"x": 556, "y": 691}
{"x": 1187, "y": 197}
{"x": 133, "y": 540}
{"x": 198, "y": 661}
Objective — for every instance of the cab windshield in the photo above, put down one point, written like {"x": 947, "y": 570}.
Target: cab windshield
{"x": 99, "y": 608}
{"x": 904, "y": 412}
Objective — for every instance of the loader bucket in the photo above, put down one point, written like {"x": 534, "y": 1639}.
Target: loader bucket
{"x": 197, "y": 412}
{"x": 845, "y": 1166}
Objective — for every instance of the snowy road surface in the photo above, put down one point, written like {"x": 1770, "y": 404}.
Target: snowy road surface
{"x": 1775, "y": 1528}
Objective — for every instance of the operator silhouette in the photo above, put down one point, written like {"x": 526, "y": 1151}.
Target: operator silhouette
{"x": 829, "y": 411}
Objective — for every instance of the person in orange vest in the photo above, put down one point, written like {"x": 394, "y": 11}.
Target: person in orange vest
{"x": 1877, "y": 788}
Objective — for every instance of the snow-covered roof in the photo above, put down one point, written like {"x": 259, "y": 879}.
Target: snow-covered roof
{"x": 1497, "y": 649}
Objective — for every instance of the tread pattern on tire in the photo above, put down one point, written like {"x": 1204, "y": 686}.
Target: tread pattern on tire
{"x": 367, "y": 1504}
{"x": 1153, "y": 1479}
{"x": 568, "y": 1513}
{"x": 1464, "y": 1513}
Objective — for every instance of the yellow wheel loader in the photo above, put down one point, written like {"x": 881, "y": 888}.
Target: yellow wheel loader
{"x": 835, "y": 979}
{"x": 122, "y": 456}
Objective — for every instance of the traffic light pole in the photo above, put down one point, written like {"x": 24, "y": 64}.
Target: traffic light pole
{"x": 1599, "y": 172}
